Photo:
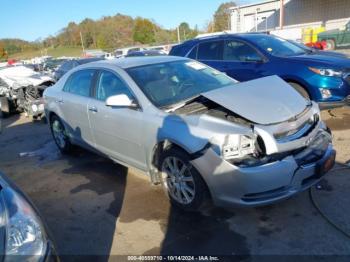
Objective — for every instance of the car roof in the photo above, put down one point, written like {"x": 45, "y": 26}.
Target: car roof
{"x": 129, "y": 62}
{"x": 224, "y": 36}
{"x": 88, "y": 60}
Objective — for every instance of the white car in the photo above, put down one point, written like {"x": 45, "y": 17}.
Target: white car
{"x": 21, "y": 88}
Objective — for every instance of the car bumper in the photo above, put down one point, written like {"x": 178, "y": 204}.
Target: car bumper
{"x": 230, "y": 185}
{"x": 335, "y": 104}
{"x": 36, "y": 108}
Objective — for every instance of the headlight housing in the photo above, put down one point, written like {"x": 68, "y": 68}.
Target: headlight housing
{"x": 238, "y": 146}
{"x": 327, "y": 72}
{"x": 25, "y": 234}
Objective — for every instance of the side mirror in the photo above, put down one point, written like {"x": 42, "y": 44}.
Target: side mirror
{"x": 120, "y": 101}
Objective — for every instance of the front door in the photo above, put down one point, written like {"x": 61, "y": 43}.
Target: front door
{"x": 116, "y": 130}
{"x": 241, "y": 61}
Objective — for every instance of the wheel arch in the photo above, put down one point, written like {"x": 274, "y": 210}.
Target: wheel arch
{"x": 301, "y": 83}
{"x": 165, "y": 144}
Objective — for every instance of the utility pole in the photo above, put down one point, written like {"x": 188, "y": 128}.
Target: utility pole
{"x": 178, "y": 35}
{"x": 82, "y": 42}
{"x": 281, "y": 13}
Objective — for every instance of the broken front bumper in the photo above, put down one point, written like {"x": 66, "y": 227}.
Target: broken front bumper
{"x": 230, "y": 185}
{"x": 35, "y": 108}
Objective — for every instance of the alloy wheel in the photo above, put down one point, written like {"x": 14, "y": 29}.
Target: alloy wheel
{"x": 178, "y": 180}
{"x": 59, "y": 133}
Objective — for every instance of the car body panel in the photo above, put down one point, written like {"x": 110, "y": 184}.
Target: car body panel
{"x": 130, "y": 136}
{"x": 276, "y": 100}
{"x": 291, "y": 69}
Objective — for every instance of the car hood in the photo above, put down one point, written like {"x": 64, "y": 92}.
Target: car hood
{"x": 20, "y": 76}
{"x": 323, "y": 59}
{"x": 265, "y": 101}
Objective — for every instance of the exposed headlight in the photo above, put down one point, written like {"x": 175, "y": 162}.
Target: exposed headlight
{"x": 327, "y": 72}
{"x": 237, "y": 146}
{"x": 41, "y": 107}
{"x": 25, "y": 234}
{"x": 34, "y": 108}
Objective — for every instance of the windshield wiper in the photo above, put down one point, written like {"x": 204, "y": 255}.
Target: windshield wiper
{"x": 176, "y": 106}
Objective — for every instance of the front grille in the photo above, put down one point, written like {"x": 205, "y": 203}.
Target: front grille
{"x": 347, "y": 78}
{"x": 315, "y": 150}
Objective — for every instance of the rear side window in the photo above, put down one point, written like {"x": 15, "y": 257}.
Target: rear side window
{"x": 210, "y": 50}
{"x": 193, "y": 53}
{"x": 179, "y": 50}
{"x": 79, "y": 83}
{"x": 110, "y": 84}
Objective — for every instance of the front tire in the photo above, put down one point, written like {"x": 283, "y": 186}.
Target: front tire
{"x": 330, "y": 44}
{"x": 181, "y": 182}
{"x": 59, "y": 134}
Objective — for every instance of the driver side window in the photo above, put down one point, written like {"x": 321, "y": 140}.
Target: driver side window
{"x": 239, "y": 51}
{"x": 109, "y": 85}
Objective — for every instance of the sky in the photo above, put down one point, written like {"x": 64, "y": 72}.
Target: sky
{"x": 34, "y": 19}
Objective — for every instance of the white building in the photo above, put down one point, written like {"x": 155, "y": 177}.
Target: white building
{"x": 288, "y": 17}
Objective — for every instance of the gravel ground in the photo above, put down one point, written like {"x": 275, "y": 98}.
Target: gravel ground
{"x": 95, "y": 207}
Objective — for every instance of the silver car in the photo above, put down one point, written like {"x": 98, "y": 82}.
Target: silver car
{"x": 194, "y": 130}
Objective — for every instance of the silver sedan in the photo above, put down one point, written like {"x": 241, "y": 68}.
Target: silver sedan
{"x": 197, "y": 132}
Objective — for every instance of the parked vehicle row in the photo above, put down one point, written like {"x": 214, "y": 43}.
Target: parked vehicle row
{"x": 321, "y": 77}
{"x": 194, "y": 130}
{"x": 72, "y": 63}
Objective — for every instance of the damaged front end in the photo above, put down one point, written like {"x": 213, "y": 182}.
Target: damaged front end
{"x": 272, "y": 155}
{"x": 23, "y": 89}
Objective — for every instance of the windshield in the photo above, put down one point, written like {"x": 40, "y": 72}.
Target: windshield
{"x": 170, "y": 83}
{"x": 277, "y": 46}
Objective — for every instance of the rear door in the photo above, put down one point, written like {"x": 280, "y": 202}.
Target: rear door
{"x": 73, "y": 104}
{"x": 117, "y": 130}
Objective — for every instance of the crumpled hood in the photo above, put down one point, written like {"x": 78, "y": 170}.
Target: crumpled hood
{"x": 20, "y": 76}
{"x": 265, "y": 101}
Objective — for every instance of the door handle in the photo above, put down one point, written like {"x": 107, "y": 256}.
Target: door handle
{"x": 60, "y": 101}
{"x": 93, "y": 109}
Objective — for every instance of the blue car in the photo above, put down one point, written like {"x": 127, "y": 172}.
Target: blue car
{"x": 318, "y": 76}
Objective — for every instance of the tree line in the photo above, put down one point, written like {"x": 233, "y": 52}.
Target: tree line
{"x": 111, "y": 32}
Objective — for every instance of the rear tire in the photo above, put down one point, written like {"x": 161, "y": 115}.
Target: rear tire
{"x": 301, "y": 90}
{"x": 330, "y": 44}
{"x": 60, "y": 136}
{"x": 181, "y": 182}
{"x": 4, "y": 107}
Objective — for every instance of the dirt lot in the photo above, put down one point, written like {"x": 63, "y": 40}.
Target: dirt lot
{"x": 96, "y": 207}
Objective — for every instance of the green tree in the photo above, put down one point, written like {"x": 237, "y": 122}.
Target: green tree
{"x": 2, "y": 51}
{"x": 185, "y": 30}
{"x": 143, "y": 31}
{"x": 222, "y": 17}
